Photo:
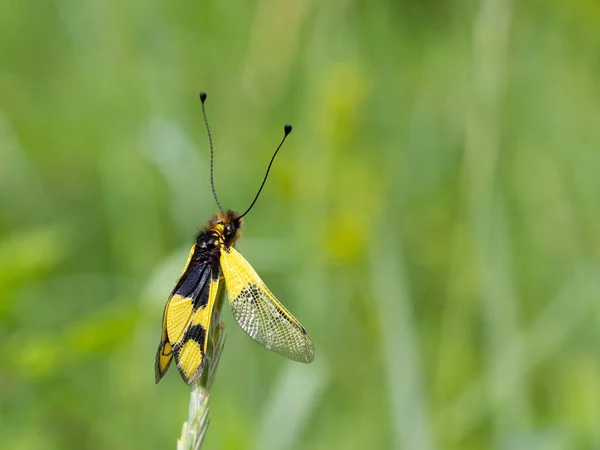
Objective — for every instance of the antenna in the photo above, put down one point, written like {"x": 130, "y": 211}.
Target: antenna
{"x": 212, "y": 183}
{"x": 287, "y": 130}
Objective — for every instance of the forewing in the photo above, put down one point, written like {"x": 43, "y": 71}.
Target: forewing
{"x": 164, "y": 354}
{"x": 259, "y": 313}
{"x": 186, "y": 321}
{"x": 190, "y": 350}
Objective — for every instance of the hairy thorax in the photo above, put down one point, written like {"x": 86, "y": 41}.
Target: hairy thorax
{"x": 222, "y": 230}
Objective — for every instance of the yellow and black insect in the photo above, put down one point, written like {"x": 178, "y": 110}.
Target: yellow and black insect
{"x": 187, "y": 316}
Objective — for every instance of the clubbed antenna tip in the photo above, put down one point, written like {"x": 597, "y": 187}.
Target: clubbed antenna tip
{"x": 287, "y": 129}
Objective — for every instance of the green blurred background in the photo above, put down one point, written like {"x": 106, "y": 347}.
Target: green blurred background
{"x": 433, "y": 220}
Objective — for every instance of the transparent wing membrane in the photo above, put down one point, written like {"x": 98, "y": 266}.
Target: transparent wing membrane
{"x": 260, "y": 314}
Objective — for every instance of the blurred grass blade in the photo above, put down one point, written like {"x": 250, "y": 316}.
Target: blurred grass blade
{"x": 399, "y": 337}
{"x": 572, "y": 306}
{"x": 491, "y": 37}
{"x": 22, "y": 193}
{"x": 295, "y": 395}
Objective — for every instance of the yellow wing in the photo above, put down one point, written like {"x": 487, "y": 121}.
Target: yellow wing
{"x": 259, "y": 313}
{"x": 190, "y": 349}
{"x": 164, "y": 354}
{"x": 186, "y": 323}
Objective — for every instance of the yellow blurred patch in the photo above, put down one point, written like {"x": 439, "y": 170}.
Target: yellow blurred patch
{"x": 345, "y": 90}
{"x": 356, "y": 220}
